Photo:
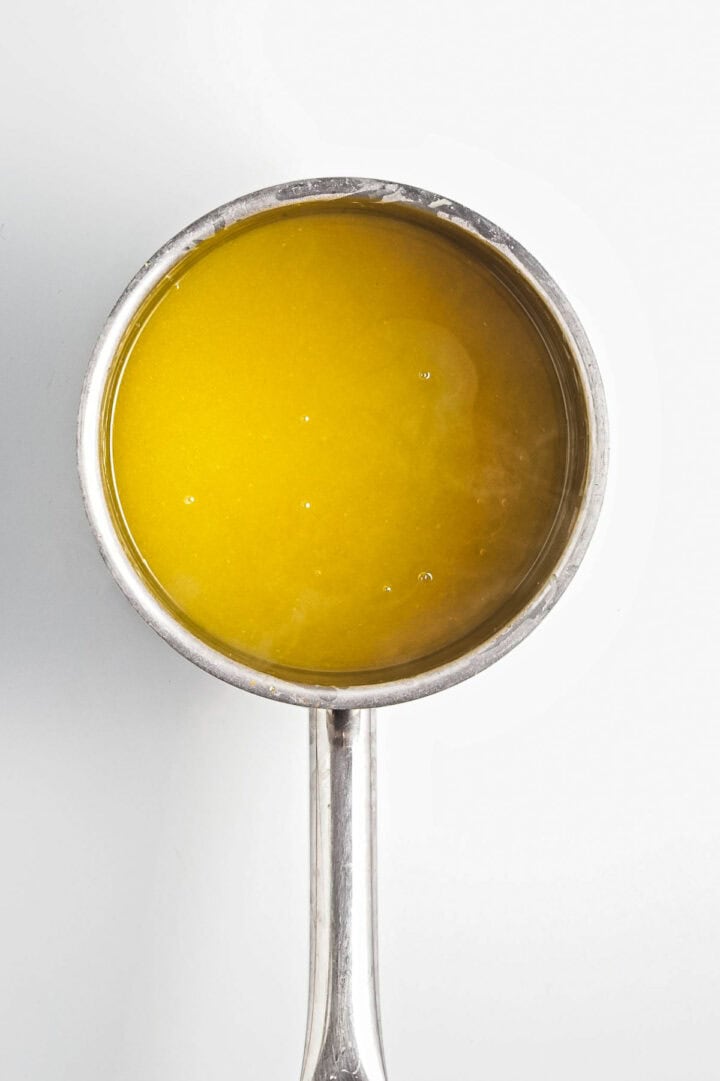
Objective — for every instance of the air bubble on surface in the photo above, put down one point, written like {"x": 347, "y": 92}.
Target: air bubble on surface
{"x": 424, "y": 375}
{"x": 425, "y": 576}
{"x": 189, "y": 499}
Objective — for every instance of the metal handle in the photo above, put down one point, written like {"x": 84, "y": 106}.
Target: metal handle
{"x": 343, "y": 1040}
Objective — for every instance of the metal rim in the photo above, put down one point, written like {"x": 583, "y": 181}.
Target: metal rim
{"x": 232, "y": 671}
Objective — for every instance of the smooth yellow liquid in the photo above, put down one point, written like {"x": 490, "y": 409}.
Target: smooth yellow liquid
{"x": 337, "y": 442}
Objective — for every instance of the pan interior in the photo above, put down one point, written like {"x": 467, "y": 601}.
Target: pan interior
{"x": 344, "y": 443}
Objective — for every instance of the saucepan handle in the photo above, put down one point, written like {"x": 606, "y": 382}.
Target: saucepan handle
{"x": 343, "y": 1039}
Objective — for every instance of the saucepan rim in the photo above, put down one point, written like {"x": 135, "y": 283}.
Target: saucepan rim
{"x": 101, "y": 520}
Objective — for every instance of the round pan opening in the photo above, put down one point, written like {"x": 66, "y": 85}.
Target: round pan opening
{"x": 573, "y": 391}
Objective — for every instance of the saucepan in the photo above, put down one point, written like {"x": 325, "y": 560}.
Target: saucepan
{"x": 343, "y": 1038}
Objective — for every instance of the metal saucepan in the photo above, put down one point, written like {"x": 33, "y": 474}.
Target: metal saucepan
{"x": 343, "y": 1039}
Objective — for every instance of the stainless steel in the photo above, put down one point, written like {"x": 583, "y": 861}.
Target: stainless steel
{"x": 521, "y": 264}
{"x": 343, "y": 1038}
{"x": 343, "y": 1034}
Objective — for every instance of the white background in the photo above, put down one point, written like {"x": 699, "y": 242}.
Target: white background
{"x": 549, "y": 832}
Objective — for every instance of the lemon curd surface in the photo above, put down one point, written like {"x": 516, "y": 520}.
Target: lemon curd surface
{"x": 336, "y": 442}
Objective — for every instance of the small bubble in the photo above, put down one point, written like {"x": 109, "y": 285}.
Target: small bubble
{"x": 177, "y": 285}
{"x": 307, "y": 505}
{"x": 189, "y": 499}
{"x": 318, "y": 573}
{"x": 424, "y": 375}
{"x": 387, "y": 589}
{"x": 425, "y": 576}
{"x": 305, "y": 419}
{"x": 503, "y": 502}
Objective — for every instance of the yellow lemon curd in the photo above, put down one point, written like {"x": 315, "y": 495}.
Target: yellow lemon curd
{"x": 336, "y": 442}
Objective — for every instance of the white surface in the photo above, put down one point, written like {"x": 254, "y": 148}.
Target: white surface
{"x": 549, "y": 832}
